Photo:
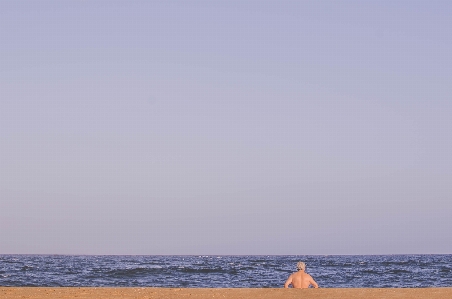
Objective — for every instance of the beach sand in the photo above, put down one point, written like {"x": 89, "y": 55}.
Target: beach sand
{"x": 112, "y": 293}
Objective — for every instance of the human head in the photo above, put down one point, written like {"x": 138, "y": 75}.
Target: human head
{"x": 301, "y": 266}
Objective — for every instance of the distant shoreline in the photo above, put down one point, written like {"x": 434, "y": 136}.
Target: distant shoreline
{"x": 243, "y": 293}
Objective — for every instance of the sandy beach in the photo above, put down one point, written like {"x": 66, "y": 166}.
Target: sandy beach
{"x": 245, "y": 293}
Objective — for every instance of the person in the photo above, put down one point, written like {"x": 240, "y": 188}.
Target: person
{"x": 300, "y": 279}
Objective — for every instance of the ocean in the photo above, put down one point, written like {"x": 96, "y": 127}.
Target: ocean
{"x": 360, "y": 271}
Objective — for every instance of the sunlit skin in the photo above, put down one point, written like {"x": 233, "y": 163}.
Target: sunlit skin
{"x": 300, "y": 280}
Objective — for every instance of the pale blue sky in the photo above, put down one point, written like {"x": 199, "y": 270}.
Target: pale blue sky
{"x": 225, "y": 127}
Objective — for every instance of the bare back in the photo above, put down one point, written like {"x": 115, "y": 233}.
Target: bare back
{"x": 300, "y": 280}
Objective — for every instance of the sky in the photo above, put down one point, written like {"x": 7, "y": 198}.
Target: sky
{"x": 225, "y": 127}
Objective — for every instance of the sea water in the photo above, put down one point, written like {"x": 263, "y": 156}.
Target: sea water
{"x": 376, "y": 271}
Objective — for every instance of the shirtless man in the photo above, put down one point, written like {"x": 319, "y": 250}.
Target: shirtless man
{"x": 300, "y": 279}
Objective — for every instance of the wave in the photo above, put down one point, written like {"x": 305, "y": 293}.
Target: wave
{"x": 227, "y": 271}
{"x": 134, "y": 272}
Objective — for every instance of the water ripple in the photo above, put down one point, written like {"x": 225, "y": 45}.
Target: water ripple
{"x": 224, "y": 271}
